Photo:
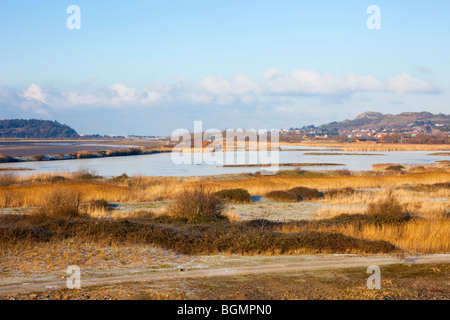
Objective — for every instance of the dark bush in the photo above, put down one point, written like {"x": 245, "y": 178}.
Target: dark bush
{"x": 93, "y": 205}
{"x": 193, "y": 239}
{"x": 198, "y": 205}
{"x": 122, "y": 178}
{"x": 85, "y": 174}
{"x": 306, "y": 193}
{"x": 283, "y": 196}
{"x": 51, "y": 179}
{"x": 7, "y": 179}
{"x": 395, "y": 168}
{"x": 343, "y": 172}
{"x": 334, "y": 193}
{"x": 61, "y": 204}
{"x": 388, "y": 211}
{"x": 235, "y": 195}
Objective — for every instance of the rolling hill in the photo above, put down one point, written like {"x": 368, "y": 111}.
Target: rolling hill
{"x": 379, "y": 121}
{"x": 36, "y": 129}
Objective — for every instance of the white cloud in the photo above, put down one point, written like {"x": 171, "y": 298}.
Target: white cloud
{"x": 123, "y": 93}
{"x": 241, "y": 84}
{"x": 151, "y": 96}
{"x": 304, "y": 81}
{"x": 71, "y": 99}
{"x": 405, "y": 83}
{"x": 35, "y": 92}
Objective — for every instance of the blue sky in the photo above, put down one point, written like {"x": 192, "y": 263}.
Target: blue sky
{"x": 149, "y": 67}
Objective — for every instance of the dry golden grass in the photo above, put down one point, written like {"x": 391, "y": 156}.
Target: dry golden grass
{"x": 422, "y": 204}
{"x": 415, "y": 191}
{"x": 443, "y": 165}
{"x": 426, "y": 234}
{"x": 383, "y": 166}
{"x": 430, "y": 203}
{"x": 34, "y": 195}
{"x": 264, "y": 184}
{"x": 330, "y": 211}
{"x": 423, "y": 236}
{"x": 29, "y": 191}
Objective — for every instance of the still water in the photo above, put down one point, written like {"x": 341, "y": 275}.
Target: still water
{"x": 163, "y": 165}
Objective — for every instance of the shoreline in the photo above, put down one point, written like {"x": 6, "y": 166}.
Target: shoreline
{"x": 71, "y": 157}
{"x": 50, "y": 150}
{"x": 355, "y": 146}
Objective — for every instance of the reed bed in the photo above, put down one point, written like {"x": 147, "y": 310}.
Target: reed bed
{"x": 34, "y": 195}
{"x": 263, "y": 185}
{"x": 30, "y": 190}
{"x": 430, "y": 204}
{"x": 417, "y": 235}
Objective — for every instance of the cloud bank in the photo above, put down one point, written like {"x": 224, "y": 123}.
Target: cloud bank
{"x": 273, "y": 85}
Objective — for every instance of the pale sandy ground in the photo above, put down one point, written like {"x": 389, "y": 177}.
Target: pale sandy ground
{"x": 262, "y": 209}
{"x": 214, "y": 266}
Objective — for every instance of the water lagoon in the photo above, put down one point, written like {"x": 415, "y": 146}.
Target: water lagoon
{"x": 163, "y": 165}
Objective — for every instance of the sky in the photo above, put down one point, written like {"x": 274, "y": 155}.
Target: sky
{"x": 149, "y": 67}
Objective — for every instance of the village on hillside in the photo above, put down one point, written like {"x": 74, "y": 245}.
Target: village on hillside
{"x": 374, "y": 129}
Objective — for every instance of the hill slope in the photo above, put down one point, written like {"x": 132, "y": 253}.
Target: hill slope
{"x": 36, "y": 129}
{"x": 376, "y": 120}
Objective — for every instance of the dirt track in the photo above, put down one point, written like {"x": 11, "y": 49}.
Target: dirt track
{"x": 321, "y": 263}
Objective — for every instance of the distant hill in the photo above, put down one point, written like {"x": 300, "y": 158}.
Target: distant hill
{"x": 379, "y": 121}
{"x": 36, "y": 129}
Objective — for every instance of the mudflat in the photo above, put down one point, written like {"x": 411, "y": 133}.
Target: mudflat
{"x": 27, "y": 149}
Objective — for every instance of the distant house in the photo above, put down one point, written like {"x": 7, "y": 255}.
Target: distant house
{"x": 378, "y": 136}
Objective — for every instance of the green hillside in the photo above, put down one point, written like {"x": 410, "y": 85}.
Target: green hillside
{"x": 35, "y": 129}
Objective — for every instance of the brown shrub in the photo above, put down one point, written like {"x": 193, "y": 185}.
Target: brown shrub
{"x": 395, "y": 168}
{"x": 343, "y": 172}
{"x": 283, "y": 196}
{"x": 96, "y": 205}
{"x": 61, "y": 204}
{"x": 84, "y": 174}
{"x": 234, "y": 195}
{"x": 388, "y": 211}
{"x": 186, "y": 238}
{"x": 7, "y": 179}
{"x": 198, "y": 205}
{"x": 306, "y": 193}
{"x": 335, "y": 193}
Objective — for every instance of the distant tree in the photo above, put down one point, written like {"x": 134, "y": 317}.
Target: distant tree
{"x": 36, "y": 129}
